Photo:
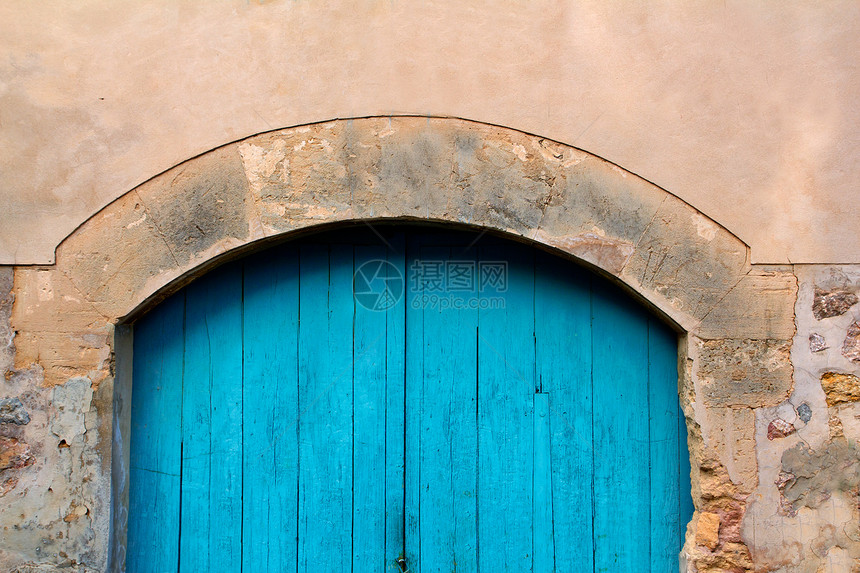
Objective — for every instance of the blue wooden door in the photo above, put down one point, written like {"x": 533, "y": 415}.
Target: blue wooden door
{"x": 405, "y": 400}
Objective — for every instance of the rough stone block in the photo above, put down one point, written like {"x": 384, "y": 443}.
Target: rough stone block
{"x": 12, "y": 411}
{"x": 200, "y": 204}
{"x": 840, "y": 388}
{"x": 596, "y": 197}
{"x": 851, "y": 344}
{"x": 751, "y": 373}
{"x": 686, "y": 259}
{"x": 834, "y": 303}
{"x": 760, "y": 306}
{"x": 498, "y": 179}
{"x": 708, "y": 530}
{"x": 58, "y": 328}
{"x": 113, "y": 257}
{"x": 729, "y": 436}
{"x": 14, "y": 454}
{"x": 299, "y": 177}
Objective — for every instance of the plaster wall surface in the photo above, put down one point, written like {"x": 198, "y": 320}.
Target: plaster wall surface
{"x": 745, "y": 110}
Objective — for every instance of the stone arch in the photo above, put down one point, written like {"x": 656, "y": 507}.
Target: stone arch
{"x": 436, "y": 169}
{"x": 737, "y": 319}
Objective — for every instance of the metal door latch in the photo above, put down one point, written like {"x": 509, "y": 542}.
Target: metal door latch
{"x": 401, "y": 561}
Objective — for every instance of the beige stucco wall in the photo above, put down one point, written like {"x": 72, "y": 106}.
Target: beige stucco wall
{"x": 745, "y": 110}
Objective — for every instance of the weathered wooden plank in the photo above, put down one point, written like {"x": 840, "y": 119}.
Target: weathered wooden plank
{"x": 325, "y": 409}
{"x": 664, "y": 446}
{"x": 543, "y": 541}
{"x": 422, "y": 431}
{"x": 270, "y": 398}
{"x": 370, "y": 437}
{"x": 412, "y": 399}
{"x": 506, "y": 389}
{"x": 564, "y": 364}
{"x": 621, "y": 443}
{"x": 448, "y": 434}
{"x": 212, "y": 424}
{"x": 156, "y": 437}
{"x": 395, "y": 412}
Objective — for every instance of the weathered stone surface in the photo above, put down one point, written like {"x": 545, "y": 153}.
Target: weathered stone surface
{"x": 115, "y": 255}
{"x": 851, "y": 345}
{"x": 751, "y": 373}
{"x": 72, "y": 402}
{"x": 817, "y": 343}
{"x": 732, "y": 557}
{"x": 206, "y": 203}
{"x": 608, "y": 254}
{"x": 65, "y": 566}
{"x": 804, "y": 412}
{"x": 704, "y": 257}
{"x": 729, "y": 433}
{"x": 14, "y": 454}
{"x": 58, "y": 330}
{"x": 12, "y": 411}
{"x": 760, "y": 306}
{"x": 37, "y": 490}
{"x": 8, "y": 485}
{"x": 840, "y": 388}
{"x": 830, "y": 304}
{"x": 816, "y": 474}
{"x": 722, "y": 498}
{"x": 7, "y": 348}
{"x": 708, "y": 530}
{"x": 595, "y": 197}
{"x": 779, "y": 428}
{"x": 783, "y": 533}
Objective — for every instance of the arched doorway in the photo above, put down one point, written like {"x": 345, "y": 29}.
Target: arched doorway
{"x": 405, "y": 398}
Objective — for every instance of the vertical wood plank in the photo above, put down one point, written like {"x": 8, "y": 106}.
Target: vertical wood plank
{"x": 212, "y": 424}
{"x": 448, "y": 436}
{"x": 506, "y": 389}
{"x": 395, "y": 413}
{"x": 270, "y": 397}
{"x": 465, "y": 439}
{"x": 156, "y": 436}
{"x": 621, "y": 440}
{"x": 371, "y": 440}
{"x": 664, "y": 446}
{"x": 564, "y": 363}
{"x": 413, "y": 392}
{"x": 325, "y": 409}
{"x": 543, "y": 543}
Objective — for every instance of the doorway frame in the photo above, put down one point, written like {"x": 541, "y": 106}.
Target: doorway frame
{"x": 734, "y": 319}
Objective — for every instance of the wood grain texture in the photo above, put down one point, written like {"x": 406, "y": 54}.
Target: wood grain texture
{"x": 506, "y": 389}
{"x": 620, "y": 433}
{"x": 564, "y": 365}
{"x": 212, "y": 424}
{"x": 156, "y": 438}
{"x": 278, "y": 425}
{"x": 325, "y": 409}
{"x": 271, "y": 415}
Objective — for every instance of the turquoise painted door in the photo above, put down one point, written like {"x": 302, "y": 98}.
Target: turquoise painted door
{"x": 418, "y": 401}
